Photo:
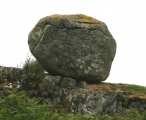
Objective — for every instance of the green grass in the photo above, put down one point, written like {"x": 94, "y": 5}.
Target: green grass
{"x": 136, "y": 88}
{"x": 16, "y": 106}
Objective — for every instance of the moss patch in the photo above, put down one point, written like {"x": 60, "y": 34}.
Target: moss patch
{"x": 82, "y": 17}
{"x": 87, "y": 18}
{"x": 136, "y": 88}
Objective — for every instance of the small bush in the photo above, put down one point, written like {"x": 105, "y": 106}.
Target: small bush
{"x": 16, "y": 106}
{"x": 33, "y": 68}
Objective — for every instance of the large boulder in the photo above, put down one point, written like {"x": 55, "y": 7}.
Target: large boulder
{"x": 75, "y": 46}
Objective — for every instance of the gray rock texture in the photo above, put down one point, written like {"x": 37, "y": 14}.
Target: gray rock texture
{"x": 75, "y": 46}
{"x": 70, "y": 94}
{"x": 10, "y": 74}
{"x": 16, "y": 77}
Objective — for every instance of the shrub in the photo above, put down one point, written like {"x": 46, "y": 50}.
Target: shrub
{"x": 33, "y": 68}
{"x": 16, "y": 106}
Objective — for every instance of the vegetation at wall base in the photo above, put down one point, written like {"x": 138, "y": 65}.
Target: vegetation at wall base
{"x": 17, "y": 106}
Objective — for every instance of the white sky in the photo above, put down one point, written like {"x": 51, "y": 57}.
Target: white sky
{"x": 126, "y": 20}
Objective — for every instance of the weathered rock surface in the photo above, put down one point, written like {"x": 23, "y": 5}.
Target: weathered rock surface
{"x": 12, "y": 75}
{"x": 15, "y": 77}
{"x": 75, "y": 46}
{"x": 74, "y": 97}
{"x": 69, "y": 95}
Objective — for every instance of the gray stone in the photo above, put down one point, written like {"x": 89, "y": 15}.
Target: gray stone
{"x": 60, "y": 89}
{"x": 67, "y": 93}
{"x": 138, "y": 105}
{"x": 51, "y": 82}
{"x": 16, "y": 77}
{"x": 82, "y": 84}
{"x": 95, "y": 102}
{"x": 15, "y": 74}
{"x": 12, "y": 74}
{"x": 68, "y": 83}
{"x": 75, "y": 46}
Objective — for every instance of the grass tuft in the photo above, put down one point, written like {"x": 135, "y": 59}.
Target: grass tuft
{"x": 33, "y": 68}
{"x": 136, "y": 88}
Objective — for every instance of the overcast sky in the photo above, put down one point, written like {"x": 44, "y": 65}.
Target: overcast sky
{"x": 126, "y": 20}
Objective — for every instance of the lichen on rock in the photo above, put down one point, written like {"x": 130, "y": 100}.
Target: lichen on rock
{"x": 75, "y": 46}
